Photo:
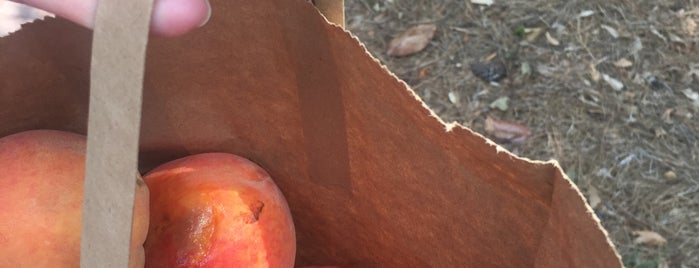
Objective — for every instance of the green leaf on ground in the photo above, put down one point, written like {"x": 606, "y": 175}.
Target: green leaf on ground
{"x": 500, "y": 103}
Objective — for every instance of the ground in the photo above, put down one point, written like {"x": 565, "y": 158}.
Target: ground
{"x": 634, "y": 148}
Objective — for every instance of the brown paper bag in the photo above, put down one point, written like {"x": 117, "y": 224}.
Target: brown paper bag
{"x": 372, "y": 176}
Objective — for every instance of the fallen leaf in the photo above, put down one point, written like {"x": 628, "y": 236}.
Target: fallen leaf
{"x": 690, "y": 94}
{"x": 509, "y": 131}
{"x": 483, "y": 2}
{"x": 690, "y": 26}
{"x": 546, "y": 70}
{"x": 667, "y": 115}
{"x": 649, "y": 238}
{"x": 660, "y": 132}
{"x": 594, "y": 74}
{"x": 664, "y": 264}
{"x": 411, "y": 41}
{"x": 611, "y": 31}
{"x": 623, "y": 63}
{"x": 593, "y": 199}
{"x": 627, "y": 160}
{"x": 533, "y": 34}
{"x": 636, "y": 46}
{"x": 525, "y": 68}
{"x": 558, "y": 27}
{"x": 490, "y": 57}
{"x": 586, "y": 13}
{"x": 500, "y": 103}
{"x": 454, "y": 98}
{"x": 377, "y": 7}
{"x": 670, "y": 175}
{"x": 658, "y": 34}
{"x": 675, "y": 38}
{"x": 604, "y": 173}
{"x": 424, "y": 72}
{"x": 614, "y": 83}
{"x": 552, "y": 41}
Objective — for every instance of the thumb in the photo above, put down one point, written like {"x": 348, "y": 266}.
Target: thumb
{"x": 170, "y": 17}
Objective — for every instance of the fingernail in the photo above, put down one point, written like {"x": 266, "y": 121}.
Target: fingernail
{"x": 208, "y": 14}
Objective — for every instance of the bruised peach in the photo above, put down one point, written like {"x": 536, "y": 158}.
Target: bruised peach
{"x": 217, "y": 210}
{"x": 41, "y": 195}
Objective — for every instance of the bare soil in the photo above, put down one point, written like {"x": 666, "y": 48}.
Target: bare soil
{"x": 637, "y": 147}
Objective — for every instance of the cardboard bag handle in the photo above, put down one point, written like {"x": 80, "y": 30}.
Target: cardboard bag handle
{"x": 116, "y": 83}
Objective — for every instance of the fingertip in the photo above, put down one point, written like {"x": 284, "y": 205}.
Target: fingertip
{"x": 79, "y": 11}
{"x": 177, "y": 17}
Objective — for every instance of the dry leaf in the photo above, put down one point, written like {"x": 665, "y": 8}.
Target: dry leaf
{"x": 604, "y": 173}
{"x": 424, "y": 72}
{"x": 491, "y": 56}
{"x": 552, "y": 41}
{"x": 660, "y": 132}
{"x": 675, "y": 38}
{"x": 483, "y": 2}
{"x": 664, "y": 264}
{"x": 508, "y": 131}
{"x": 615, "y": 84}
{"x": 667, "y": 115}
{"x": 690, "y": 94}
{"x": 658, "y": 34}
{"x": 649, "y": 238}
{"x": 546, "y": 70}
{"x": 636, "y": 46}
{"x": 454, "y": 98}
{"x": 411, "y": 41}
{"x": 525, "y": 68}
{"x": 611, "y": 31}
{"x": 670, "y": 175}
{"x": 533, "y": 34}
{"x": 500, "y": 103}
{"x": 690, "y": 26}
{"x": 627, "y": 160}
{"x": 623, "y": 63}
{"x": 593, "y": 198}
{"x": 586, "y": 13}
{"x": 594, "y": 74}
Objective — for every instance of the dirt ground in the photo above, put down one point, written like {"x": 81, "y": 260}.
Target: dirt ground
{"x": 634, "y": 148}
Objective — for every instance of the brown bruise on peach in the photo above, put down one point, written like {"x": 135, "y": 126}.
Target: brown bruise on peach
{"x": 255, "y": 210}
{"x": 196, "y": 238}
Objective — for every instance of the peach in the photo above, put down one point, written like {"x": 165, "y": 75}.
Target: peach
{"x": 217, "y": 210}
{"x": 41, "y": 195}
